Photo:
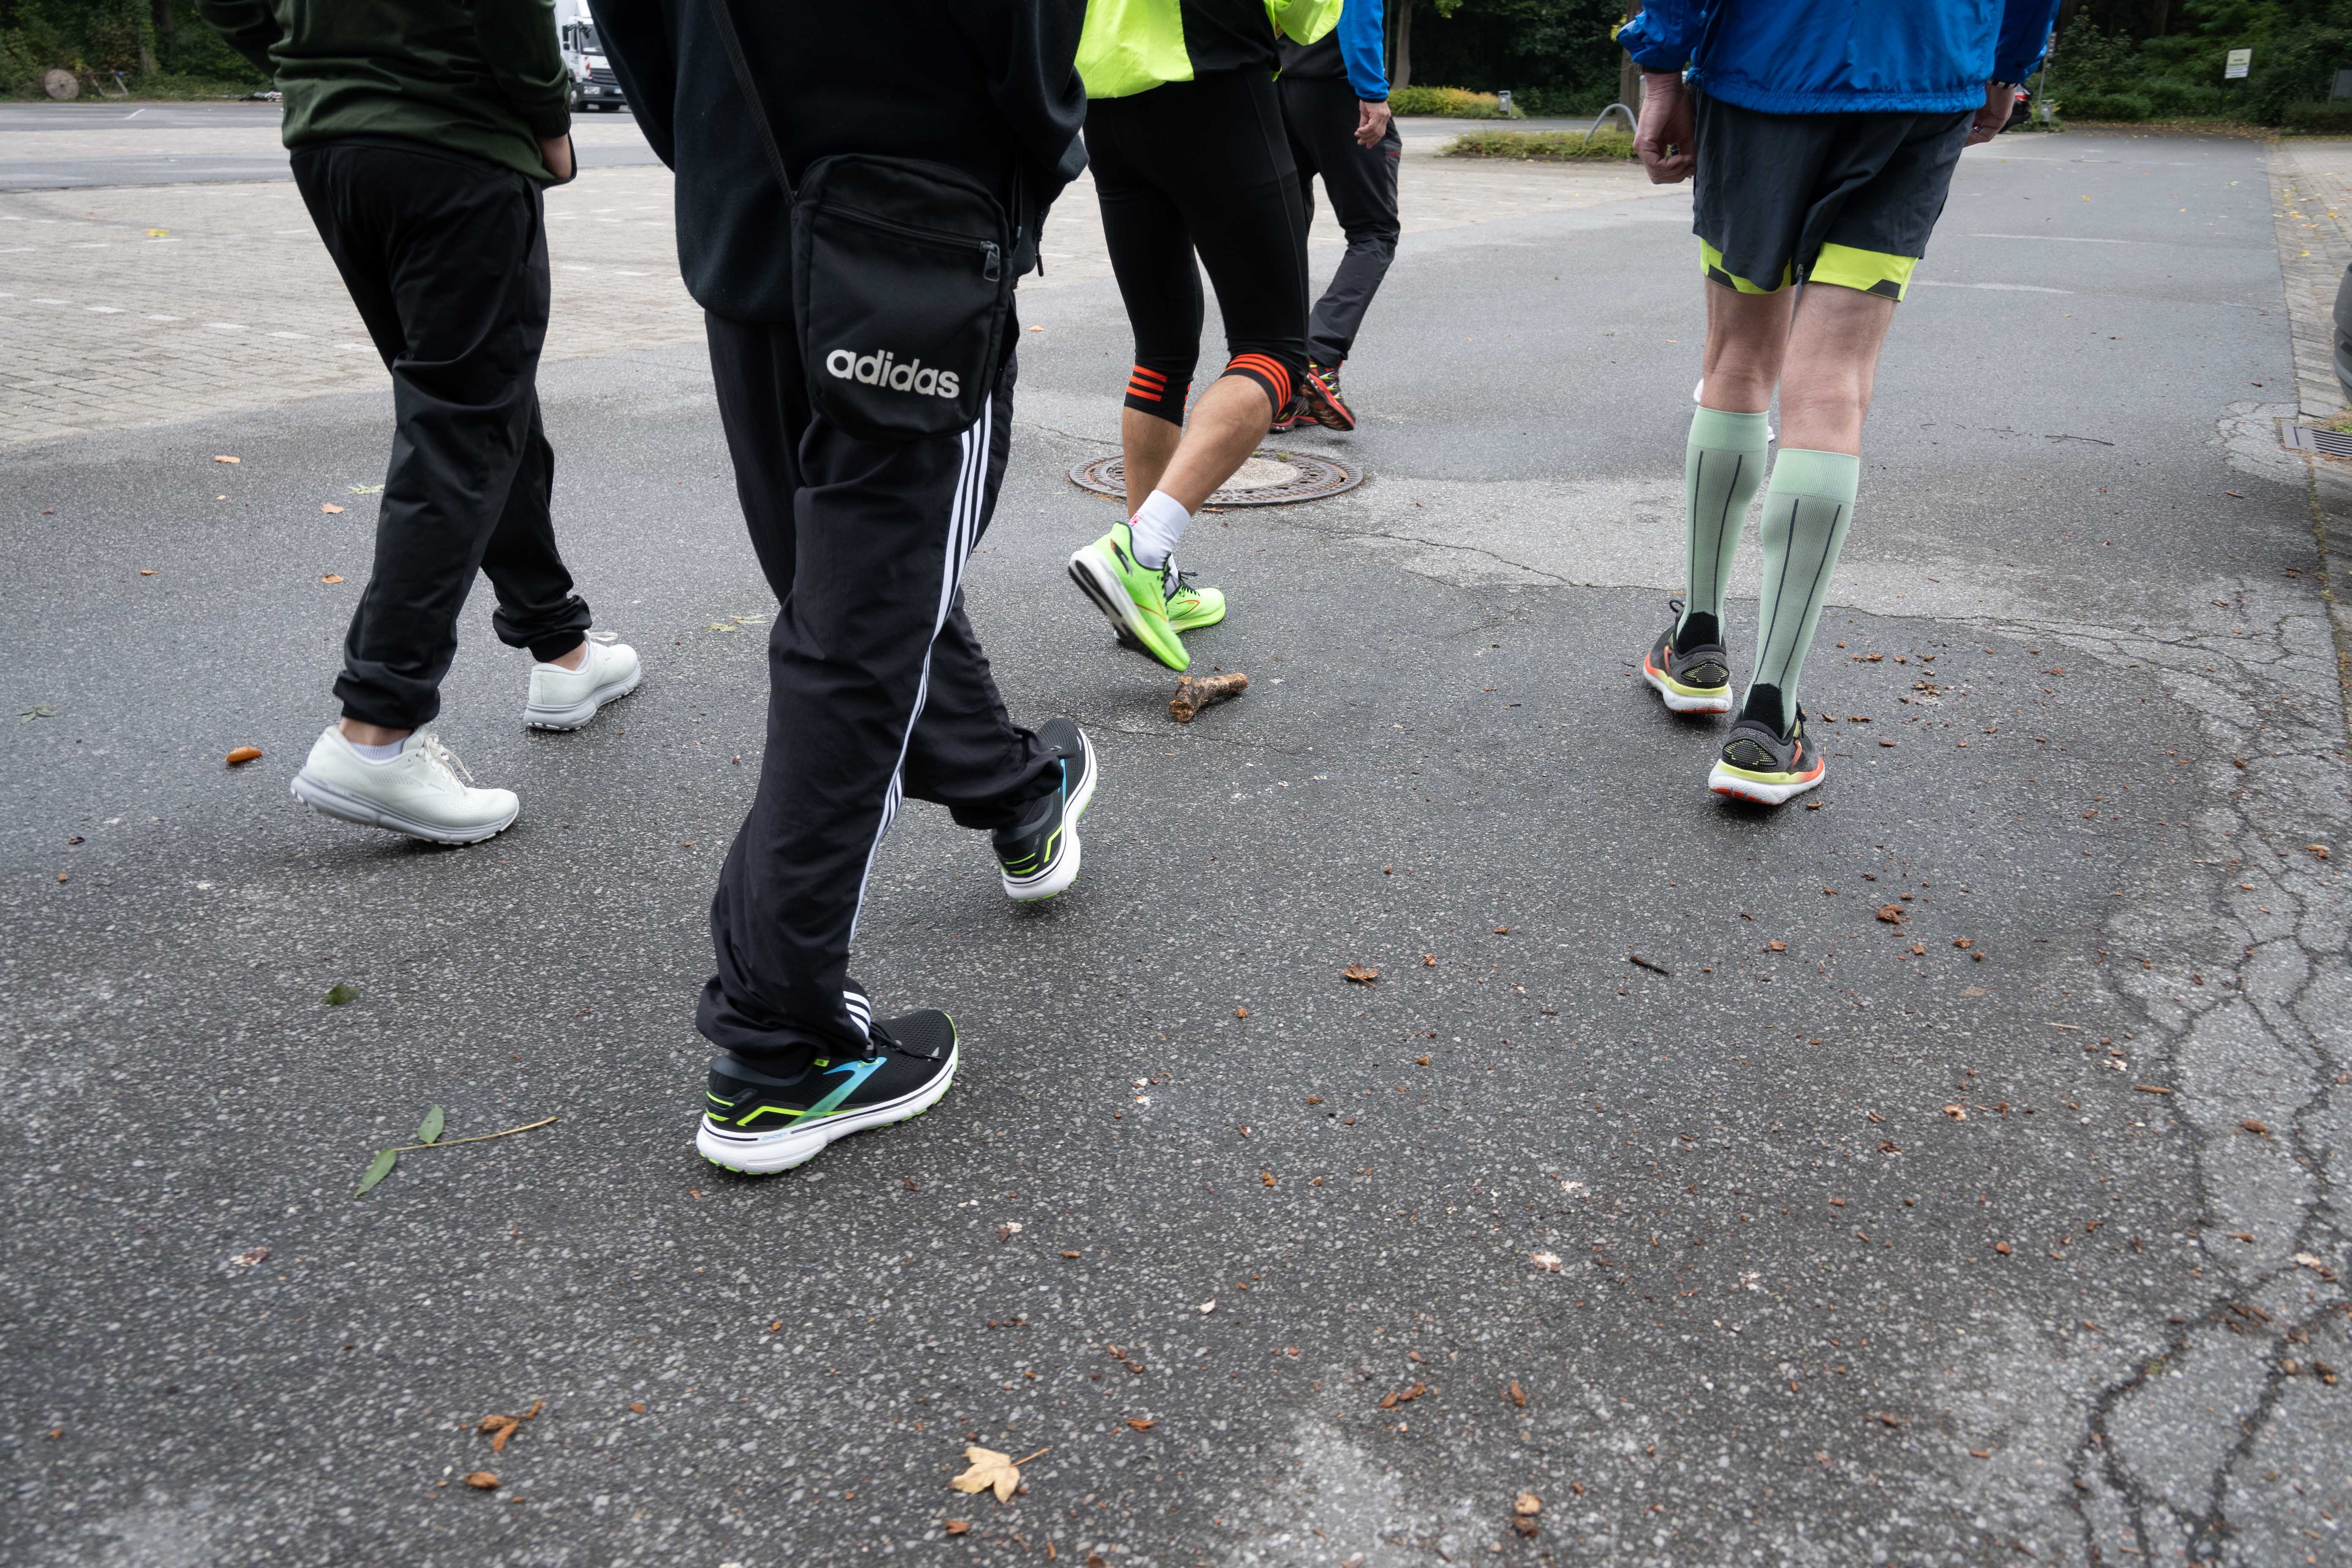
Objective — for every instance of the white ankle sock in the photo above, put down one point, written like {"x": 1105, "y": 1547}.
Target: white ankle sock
{"x": 376, "y": 753}
{"x": 1157, "y": 525}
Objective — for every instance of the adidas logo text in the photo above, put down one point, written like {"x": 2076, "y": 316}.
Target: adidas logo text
{"x": 878, "y": 370}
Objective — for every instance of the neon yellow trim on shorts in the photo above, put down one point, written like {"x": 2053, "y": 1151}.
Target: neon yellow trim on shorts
{"x": 1711, "y": 263}
{"x": 1870, "y": 272}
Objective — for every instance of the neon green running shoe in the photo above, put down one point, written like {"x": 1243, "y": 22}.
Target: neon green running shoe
{"x": 1131, "y": 597}
{"x": 1192, "y": 607}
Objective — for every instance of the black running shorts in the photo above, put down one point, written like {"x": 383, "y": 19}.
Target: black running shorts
{"x": 1203, "y": 166}
{"x": 1821, "y": 198}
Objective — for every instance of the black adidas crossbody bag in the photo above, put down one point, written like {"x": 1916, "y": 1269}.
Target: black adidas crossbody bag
{"x": 902, "y": 283}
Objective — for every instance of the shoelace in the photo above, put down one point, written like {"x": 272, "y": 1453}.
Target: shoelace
{"x": 433, "y": 748}
{"x": 1172, "y": 582}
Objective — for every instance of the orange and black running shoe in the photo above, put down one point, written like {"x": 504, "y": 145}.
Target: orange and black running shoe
{"x": 1321, "y": 392}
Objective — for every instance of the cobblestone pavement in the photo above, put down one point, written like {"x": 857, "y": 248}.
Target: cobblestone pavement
{"x": 134, "y": 306}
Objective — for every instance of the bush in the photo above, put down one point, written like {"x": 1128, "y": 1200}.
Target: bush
{"x": 1560, "y": 103}
{"x": 2173, "y": 98}
{"x": 2123, "y": 106}
{"x": 1453, "y": 103}
{"x": 1542, "y": 147}
{"x": 2321, "y": 118}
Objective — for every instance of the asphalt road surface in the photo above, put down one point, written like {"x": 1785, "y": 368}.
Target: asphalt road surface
{"x": 259, "y": 158}
{"x": 1950, "y": 1182}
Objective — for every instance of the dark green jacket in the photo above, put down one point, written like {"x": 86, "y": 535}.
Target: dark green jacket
{"x": 484, "y": 77}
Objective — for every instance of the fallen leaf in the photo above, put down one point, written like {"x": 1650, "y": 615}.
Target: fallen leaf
{"x": 1070, "y": 1255}
{"x": 1360, "y": 974}
{"x": 244, "y": 754}
{"x": 1776, "y": 947}
{"x": 252, "y": 1256}
{"x": 482, "y": 1479}
{"x": 1429, "y": 961}
{"x": 500, "y": 1428}
{"x": 990, "y": 1470}
{"x": 1141, "y": 1422}
{"x": 1525, "y": 1524}
{"x": 365, "y": 489}
{"x": 338, "y": 993}
{"x": 1421, "y": 1061}
{"x": 958, "y": 1527}
{"x": 1890, "y": 913}
{"x": 328, "y": 506}
{"x": 1889, "y": 1420}
{"x": 1957, "y": 1112}
{"x": 41, "y": 710}
{"x": 1241, "y": 1012}
{"x": 378, "y": 1169}
{"x": 1546, "y": 1261}
{"x": 146, "y": 571}
{"x": 1515, "y": 1394}
{"x": 2151, "y": 1088}
{"x": 429, "y": 1130}
{"x": 2318, "y": 849}
{"x": 1528, "y": 1504}
{"x": 1502, "y": 931}
{"x": 331, "y": 577}
{"x": 1963, "y": 943}
{"x": 2258, "y": 1129}
{"x": 1267, "y": 1177}
{"x": 1918, "y": 948}
{"x": 228, "y": 459}
{"x": 636, "y": 1409}
{"x": 1979, "y": 1453}
{"x": 2002, "y": 1248}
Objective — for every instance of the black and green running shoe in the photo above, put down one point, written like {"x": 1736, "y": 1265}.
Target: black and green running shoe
{"x": 1039, "y": 857}
{"x": 1692, "y": 674}
{"x": 759, "y": 1124}
{"x": 1762, "y": 764}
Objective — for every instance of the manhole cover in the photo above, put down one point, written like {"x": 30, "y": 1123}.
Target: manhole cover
{"x": 2334, "y": 443}
{"x": 1271, "y": 478}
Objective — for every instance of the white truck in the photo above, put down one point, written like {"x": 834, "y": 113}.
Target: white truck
{"x": 593, "y": 83}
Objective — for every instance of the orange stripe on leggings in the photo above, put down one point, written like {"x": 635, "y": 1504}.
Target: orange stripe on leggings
{"x": 1268, "y": 368}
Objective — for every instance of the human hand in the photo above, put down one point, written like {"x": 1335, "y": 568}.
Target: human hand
{"x": 1665, "y": 143}
{"x": 2000, "y": 102}
{"x": 555, "y": 152}
{"x": 1372, "y": 121}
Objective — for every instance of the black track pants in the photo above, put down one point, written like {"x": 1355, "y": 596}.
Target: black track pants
{"x": 1203, "y": 165}
{"x": 1361, "y": 183}
{"x": 446, "y": 257}
{"x": 876, "y": 687}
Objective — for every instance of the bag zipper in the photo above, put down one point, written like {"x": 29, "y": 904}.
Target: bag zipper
{"x": 992, "y": 265}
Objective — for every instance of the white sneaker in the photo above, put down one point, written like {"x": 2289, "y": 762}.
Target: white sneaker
{"x": 417, "y": 792}
{"x": 564, "y": 699}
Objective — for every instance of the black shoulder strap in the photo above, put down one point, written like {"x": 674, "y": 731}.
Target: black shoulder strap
{"x": 724, "y": 16}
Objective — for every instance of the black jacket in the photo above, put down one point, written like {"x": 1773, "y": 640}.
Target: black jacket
{"x": 989, "y": 87}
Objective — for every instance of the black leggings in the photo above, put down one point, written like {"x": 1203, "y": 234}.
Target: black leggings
{"x": 1203, "y": 165}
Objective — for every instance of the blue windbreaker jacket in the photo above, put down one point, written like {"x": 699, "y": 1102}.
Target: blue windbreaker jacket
{"x": 1843, "y": 57}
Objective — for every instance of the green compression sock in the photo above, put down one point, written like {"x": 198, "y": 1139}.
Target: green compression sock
{"x": 1720, "y": 476}
{"x": 1807, "y": 510}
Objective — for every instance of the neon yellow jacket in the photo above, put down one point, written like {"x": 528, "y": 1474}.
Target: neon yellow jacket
{"x": 1133, "y": 45}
